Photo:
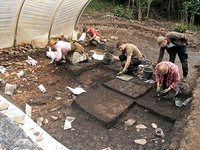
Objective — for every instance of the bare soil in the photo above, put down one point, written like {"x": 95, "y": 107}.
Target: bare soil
{"x": 88, "y": 132}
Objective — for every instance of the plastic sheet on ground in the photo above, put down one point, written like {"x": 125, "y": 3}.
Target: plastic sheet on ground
{"x": 76, "y": 91}
{"x": 68, "y": 122}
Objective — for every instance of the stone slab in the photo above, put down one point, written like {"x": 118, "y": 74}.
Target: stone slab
{"x": 79, "y": 68}
{"x": 104, "y": 104}
{"x": 164, "y": 108}
{"x": 133, "y": 88}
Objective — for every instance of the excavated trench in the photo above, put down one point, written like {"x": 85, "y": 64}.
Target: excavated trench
{"x": 112, "y": 113}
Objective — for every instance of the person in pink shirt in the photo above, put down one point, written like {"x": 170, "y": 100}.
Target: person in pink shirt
{"x": 63, "y": 48}
{"x": 167, "y": 77}
{"x": 93, "y": 36}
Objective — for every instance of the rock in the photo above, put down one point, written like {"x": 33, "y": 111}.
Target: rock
{"x": 2, "y": 81}
{"x": 130, "y": 122}
{"x": 54, "y": 118}
{"x": 40, "y": 120}
{"x": 3, "y": 147}
{"x": 140, "y": 141}
{"x": 141, "y": 126}
{"x": 114, "y": 37}
{"x": 46, "y": 121}
{"x": 58, "y": 98}
{"x": 33, "y": 44}
{"x": 38, "y": 136}
{"x": 77, "y": 57}
{"x": 18, "y": 119}
{"x": 154, "y": 125}
{"x": 4, "y": 106}
{"x": 108, "y": 148}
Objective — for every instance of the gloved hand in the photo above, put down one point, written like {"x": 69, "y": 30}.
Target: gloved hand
{"x": 119, "y": 73}
{"x": 158, "y": 89}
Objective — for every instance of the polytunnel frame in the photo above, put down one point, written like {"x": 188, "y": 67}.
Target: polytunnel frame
{"x": 53, "y": 18}
{"x": 15, "y": 36}
{"x": 77, "y": 20}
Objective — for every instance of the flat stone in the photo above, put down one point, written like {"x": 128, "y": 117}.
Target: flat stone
{"x": 18, "y": 119}
{"x": 133, "y": 88}
{"x": 81, "y": 67}
{"x": 4, "y": 106}
{"x": 164, "y": 108}
{"x": 104, "y": 104}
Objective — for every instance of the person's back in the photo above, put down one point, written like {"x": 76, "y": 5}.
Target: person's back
{"x": 133, "y": 51}
{"x": 93, "y": 32}
{"x": 63, "y": 46}
{"x": 178, "y": 39}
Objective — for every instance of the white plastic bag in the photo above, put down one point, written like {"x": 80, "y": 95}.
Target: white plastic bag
{"x": 31, "y": 61}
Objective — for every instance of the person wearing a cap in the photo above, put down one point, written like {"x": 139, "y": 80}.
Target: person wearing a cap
{"x": 167, "y": 77}
{"x": 130, "y": 57}
{"x": 174, "y": 43}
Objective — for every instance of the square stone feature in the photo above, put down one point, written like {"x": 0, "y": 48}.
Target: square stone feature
{"x": 164, "y": 108}
{"x": 104, "y": 104}
{"x": 133, "y": 88}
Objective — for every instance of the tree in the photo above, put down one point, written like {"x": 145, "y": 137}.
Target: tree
{"x": 189, "y": 10}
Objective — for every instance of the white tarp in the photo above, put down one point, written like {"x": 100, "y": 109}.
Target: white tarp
{"x": 9, "y": 11}
{"x": 65, "y": 18}
{"x": 28, "y": 20}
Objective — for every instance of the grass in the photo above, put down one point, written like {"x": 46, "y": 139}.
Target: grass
{"x": 99, "y": 7}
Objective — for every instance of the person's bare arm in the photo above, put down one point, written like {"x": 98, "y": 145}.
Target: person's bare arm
{"x": 128, "y": 61}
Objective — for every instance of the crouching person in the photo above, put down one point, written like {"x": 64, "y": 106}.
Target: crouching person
{"x": 64, "y": 48}
{"x": 130, "y": 57}
{"x": 92, "y": 36}
{"x": 167, "y": 77}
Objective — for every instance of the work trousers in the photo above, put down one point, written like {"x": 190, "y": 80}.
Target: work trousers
{"x": 133, "y": 65}
{"x": 183, "y": 56}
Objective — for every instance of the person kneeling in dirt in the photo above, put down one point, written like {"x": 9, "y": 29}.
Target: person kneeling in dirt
{"x": 92, "y": 36}
{"x": 131, "y": 57}
{"x": 63, "y": 48}
{"x": 167, "y": 77}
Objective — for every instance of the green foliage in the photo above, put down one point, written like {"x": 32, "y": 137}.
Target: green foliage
{"x": 121, "y": 12}
{"x": 99, "y": 7}
{"x": 180, "y": 27}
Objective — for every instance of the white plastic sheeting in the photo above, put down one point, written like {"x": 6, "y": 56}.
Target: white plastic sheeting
{"x": 23, "y": 21}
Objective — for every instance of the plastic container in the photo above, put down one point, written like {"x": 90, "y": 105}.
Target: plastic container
{"x": 148, "y": 72}
{"x": 178, "y": 102}
{"x": 102, "y": 45}
{"x": 107, "y": 58}
{"x": 187, "y": 101}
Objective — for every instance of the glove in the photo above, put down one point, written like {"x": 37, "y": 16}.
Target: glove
{"x": 119, "y": 73}
{"x": 158, "y": 89}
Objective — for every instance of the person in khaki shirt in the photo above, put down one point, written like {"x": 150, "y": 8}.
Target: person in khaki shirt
{"x": 131, "y": 55}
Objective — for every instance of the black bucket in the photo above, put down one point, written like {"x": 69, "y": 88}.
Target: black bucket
{"x": 102, "y": 45}
{"x": 148, "y": 72}
{"x": 107, "y": 58}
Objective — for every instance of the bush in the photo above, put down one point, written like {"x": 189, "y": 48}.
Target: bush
{"x": 121, "y": 12}
{"x": 180, "y": 27}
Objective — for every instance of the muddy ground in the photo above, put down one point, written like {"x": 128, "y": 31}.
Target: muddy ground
{"x": 88, "y": 132}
